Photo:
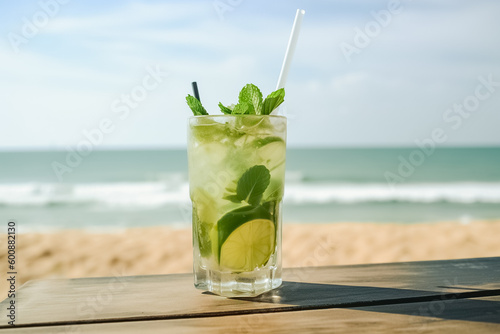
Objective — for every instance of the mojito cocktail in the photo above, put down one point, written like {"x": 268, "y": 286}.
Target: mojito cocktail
{"x": 236, "y": 176}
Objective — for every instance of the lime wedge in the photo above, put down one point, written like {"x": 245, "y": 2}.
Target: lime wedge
{"x": 245, "y": 238}
{"x": 271, "y": 151}
{"x": 249, "y": 246}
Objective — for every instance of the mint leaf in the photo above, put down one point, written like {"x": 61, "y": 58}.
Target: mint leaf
{"x": 233, "y": 198}
{"x": 231, "y": 188}
{"x": 224, "y": 109}
{"x": 268, "y": 105}
{"x": 195, "y": 105}
{"x": 252, "y": 184}
{"x": 272, "y": 101}
{"x": 251, "y": 94}
{"x": 243, "y": 108}
{"x": 250, "y": 187}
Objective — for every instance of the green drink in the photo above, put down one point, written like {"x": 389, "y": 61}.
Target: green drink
{"x": 236, "y": 176}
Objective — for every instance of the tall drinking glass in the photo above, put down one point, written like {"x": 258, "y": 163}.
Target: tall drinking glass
{"x": 236, "y": 181}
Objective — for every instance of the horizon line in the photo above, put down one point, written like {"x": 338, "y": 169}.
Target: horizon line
{"x": 179, "y": 148}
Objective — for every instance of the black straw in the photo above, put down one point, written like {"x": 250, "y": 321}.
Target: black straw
{"x": 195, "y": 90}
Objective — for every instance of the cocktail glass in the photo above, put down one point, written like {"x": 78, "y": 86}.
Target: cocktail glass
{"x": 236, "y": 179}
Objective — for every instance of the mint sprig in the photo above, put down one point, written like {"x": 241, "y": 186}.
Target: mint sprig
{"x": 251, "y": 186}
{"x": 195, "y": 105}
{"x": 249, "y": 102}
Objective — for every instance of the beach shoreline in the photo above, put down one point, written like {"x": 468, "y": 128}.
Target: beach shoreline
{"x": 167, "y": 250}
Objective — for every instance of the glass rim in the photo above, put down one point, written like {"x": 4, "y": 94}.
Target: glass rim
{"x": 232, "y": 115}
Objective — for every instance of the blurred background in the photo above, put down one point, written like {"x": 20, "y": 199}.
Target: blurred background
{"x": 393, "y": 107}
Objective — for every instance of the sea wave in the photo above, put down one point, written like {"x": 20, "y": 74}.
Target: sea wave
{"x": 134, "y": 194}
{"x": 157, "y": 194}
{"x": 377, "y": 192}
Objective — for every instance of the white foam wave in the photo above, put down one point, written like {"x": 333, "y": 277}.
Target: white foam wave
{"x": 140, "y": 194}
{"x": 155, "y": 194}
{"x": 423, "y": 193}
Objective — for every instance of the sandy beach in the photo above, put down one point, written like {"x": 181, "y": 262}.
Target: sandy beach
{"x": 164, "y": 250}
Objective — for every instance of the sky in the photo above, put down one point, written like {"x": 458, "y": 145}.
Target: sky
{"x": 114, "y": 74}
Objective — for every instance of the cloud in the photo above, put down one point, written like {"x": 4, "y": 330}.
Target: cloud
{"x": 131, "y": 15}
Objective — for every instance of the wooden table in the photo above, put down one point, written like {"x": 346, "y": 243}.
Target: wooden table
{"x": 425, "y": 297}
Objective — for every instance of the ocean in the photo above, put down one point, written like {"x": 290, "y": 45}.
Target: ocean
{"x": 109, "y": 190}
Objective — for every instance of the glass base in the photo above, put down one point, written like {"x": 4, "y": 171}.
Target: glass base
{"x": 244, "y": 284}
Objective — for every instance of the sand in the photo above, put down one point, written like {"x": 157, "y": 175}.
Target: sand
{"x": 164, "y": 250}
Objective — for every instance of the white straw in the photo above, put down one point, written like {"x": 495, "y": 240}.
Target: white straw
{"x": 292, "y": 43}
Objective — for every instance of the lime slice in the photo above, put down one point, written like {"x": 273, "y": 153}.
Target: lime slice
{"x": 274, "y": 191}
{"x": 204, "y": 218}
{"x": 206, "y": 130}
{"x": 202, "y": 235}
{"x": 271, "y": 151}
{"x": 205, "y": 206}
{"x": 245, "y": 238}
{"x": 249, "y": 246}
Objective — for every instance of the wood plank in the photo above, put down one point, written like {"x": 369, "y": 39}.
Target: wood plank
{"x": 457, "y": 316}
{"x": 89, "y": 300}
